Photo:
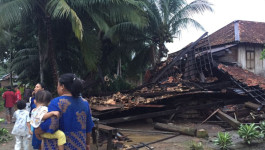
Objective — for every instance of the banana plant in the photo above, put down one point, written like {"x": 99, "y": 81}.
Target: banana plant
{"x": 249, "y": 132}
{"x": 224, "y": 140}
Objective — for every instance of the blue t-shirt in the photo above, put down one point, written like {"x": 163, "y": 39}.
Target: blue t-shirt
{"x": 75, "y": 121}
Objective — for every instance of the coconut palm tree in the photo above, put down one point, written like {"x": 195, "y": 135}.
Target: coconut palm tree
{"x": 13, "y": 11}
{"x": 100, "y": 16}
{"x": 103, "y": 21}
{"x": 168, "y": 18}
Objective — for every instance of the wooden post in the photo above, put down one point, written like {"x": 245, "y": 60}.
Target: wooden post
{"x": 142, "y": 116}
{"x": 234, "y": 123}
{"x": 252, "y": 105}
{"x": 176, "y": 128}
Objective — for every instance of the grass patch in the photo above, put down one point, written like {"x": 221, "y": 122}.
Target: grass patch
{"x": 1, "y": 104}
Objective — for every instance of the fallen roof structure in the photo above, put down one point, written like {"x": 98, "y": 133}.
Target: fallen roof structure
{"x": 189, "y": 80}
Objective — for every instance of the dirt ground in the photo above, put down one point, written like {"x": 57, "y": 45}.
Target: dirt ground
{"x": 142, "y": 131}
{"x": 181, "y": 142}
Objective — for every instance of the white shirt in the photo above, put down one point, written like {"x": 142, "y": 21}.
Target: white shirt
{"x": 37, "y": 115}
{"x": 20, "y": 128}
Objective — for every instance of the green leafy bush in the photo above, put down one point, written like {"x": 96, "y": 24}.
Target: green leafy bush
{"x": 2, "y": 90}
{"x": 4, "y": 136}
{"x": 249, "y": 132}
{"x": 224, "y": 140}
{"x": 262, "y": 128}
{"x": 3, "y": 131}
{"x": 117, "y": 84}
{"x": 196, "y": 146}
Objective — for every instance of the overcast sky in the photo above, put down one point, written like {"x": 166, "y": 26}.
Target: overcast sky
{"x": 225, "y": 12}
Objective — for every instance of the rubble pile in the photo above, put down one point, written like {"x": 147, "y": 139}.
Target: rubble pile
{"x": 145, "y": 95}
{"x": 189, "y": 85}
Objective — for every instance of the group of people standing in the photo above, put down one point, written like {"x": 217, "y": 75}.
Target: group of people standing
{"x": 64, "y": 122}
{"x": 10, "y": 99}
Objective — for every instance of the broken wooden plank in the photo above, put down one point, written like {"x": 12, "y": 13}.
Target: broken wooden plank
{"x": 150, "y": 105}
{"x": 252, "y": 105}
{"x": 176, "y": 128}
{"x": 210, "y": 116}
{"x": 234, "y": 123}
{"x": 103, "y": 108}
{"x": 141, "y": 116}
{"x": 111, "y": 132}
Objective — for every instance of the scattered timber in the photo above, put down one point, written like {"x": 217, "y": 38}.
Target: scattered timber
{"x": 201, "y": 133}
{"x": 252, "y": 105}
{"x": 176, "y": 128}
{"x": 210, "y": 116}
{"x": 144, "y": 145}
{"x": 137, "y": 117}
{"x": 234, "y": 123}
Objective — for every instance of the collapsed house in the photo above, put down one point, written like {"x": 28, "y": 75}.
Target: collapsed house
{"x": 215, "y": 71}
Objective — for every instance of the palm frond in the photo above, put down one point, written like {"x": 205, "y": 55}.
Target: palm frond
{"x": 12, "y": 11}
{"x": 101, "y": 22}
{"x": 120, "y": 28}
{"x": 195, "y": 7}
{"x": 60, "y": 9}
{"x": 25, "y": 61}
{"x": 90, "y": 48}
{"x": 183, "y": 16}
{"x": 183, "y": 24}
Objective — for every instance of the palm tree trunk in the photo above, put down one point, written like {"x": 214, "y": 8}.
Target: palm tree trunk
{"x": 51, "y": 49}
{"x": 11, "y": 74}
{"x": 119, "y": 67}
{"x": 41, "y": 54}
{"x": 154, "y": 56}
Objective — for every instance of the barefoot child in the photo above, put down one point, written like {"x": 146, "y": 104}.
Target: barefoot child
{"x": 21, "y": 128}
{"x": 40, "y": 113}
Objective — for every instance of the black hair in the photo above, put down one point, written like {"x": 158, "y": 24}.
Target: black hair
{"x": 41, "y": 84}
{"x": 8, "y": 87}
{"x": 71, "y": 83}
{"x": 21, "y": 105}
{"x": 43, "y": 96}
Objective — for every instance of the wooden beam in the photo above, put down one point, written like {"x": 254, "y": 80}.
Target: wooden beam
{"x": 104, "y": 108}
{"x": 150, "y": 105}
{"x": 210, "y": 116}
{"x": 179, "y": 55}
{"x": 176, "y": 128}
{"x": 141, "y": 116}
{"x": 252, "y": 105}
{"x": 234, "y": 123}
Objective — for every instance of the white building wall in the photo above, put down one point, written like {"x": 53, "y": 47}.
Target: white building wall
{"x": 259, "y": 67}
{"x": 241, "y": 57}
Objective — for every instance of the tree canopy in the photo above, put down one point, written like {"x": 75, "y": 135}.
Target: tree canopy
{"x": 94, "y": 39}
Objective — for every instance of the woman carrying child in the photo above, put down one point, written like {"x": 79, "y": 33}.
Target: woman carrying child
{"x": 40, "y": 113}
{"x": 21, "y": 129}
{"x": 75, "y": 116}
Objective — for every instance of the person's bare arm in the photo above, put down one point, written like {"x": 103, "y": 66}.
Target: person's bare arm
{"x": 88, "y": 140}
{"x": 30, "y": 132}
{"x": 50, "y": 114}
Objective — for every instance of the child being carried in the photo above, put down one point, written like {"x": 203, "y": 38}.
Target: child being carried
{"x": 40, "y": 113}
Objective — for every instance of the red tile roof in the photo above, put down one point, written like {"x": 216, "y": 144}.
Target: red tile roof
{"x": 249, "y": 32}
{"x": 252, "y": 32}
{"x": 223, "y": 35}
{"x": 244, "y": 76}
